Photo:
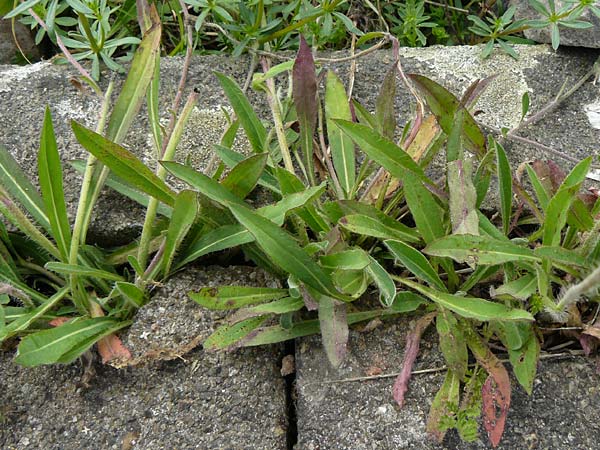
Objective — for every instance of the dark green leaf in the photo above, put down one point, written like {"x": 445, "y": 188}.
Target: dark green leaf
{"x": 414, "y": 261}
{"x": 233, "y": 297}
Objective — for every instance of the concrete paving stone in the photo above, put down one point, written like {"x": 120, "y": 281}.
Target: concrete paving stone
{"x": 561, "y": 413}
{"x": 572, "y": 129}
{"x": 200, "y": 400}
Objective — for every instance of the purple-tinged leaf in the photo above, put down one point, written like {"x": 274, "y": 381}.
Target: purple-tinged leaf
{"x": 496, "y": 389}
{"x": 410, "y": 355}
{"x": 334, "y": 329}
{"x": 304, "y": 93}
{"x": 384, "y": 105}
{"x": 463, "y": 198}
{"x": 444, "y": 106}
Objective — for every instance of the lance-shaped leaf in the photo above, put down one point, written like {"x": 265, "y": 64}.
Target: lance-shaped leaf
{"x": 255, "y": 130}
{"x": 352, "y": 259}
{"x": 64, "y": 343}
{"x": 479, "y": 250}
{"x": 384, "y": 105}
{"x": 522, "y": 288}
{"x": 304, "y": 93}
{"x": 426, "y": 212}
{"x": 523, "y": 350}
{"x": 281, "y": 306}
{"x": 231, "y": 158}
{"x": 18, "y": 185}
{"x": 85, "y": 271}
{"x": 470, "y": 307}
{"x": 387, "y": 154}
{"x": 24, "y": 321}
{"x": 233, "y": 297}
{"x": 182, "y": 219}
{"x": 277, "y": 333}
{"x": 443, "y": 402}
{"x": 414, "y": 261}
{"x": 444, "y": 106}
{"x": 384, "y": 282}
{"x": 505, "y": 186}
{"x": 340, "y": 144}
{"x": 243, "y": 177}
{"x": 51, "y": 185}
{"x": 283, "y": 249}
{"x": 559, "y": 204}
{"x": 228, "y": 335}
{"x": 452, "y": 342}
{"x": 124, "y": 164}
{"x": 140, "y": 74}
{"x": 387, "y": 228}
{"x": 463, "y": 198}
{"x": 334, "y": 329}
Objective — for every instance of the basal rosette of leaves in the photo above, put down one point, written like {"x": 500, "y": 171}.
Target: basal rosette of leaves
{"x": 355, "y": 212}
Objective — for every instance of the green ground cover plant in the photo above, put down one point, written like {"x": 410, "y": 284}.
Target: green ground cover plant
{"x": 355, "y": 210}
{"x": 105, "y": 31}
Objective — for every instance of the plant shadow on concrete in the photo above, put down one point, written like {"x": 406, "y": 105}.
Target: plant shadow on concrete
{"x": 355, "y": 210}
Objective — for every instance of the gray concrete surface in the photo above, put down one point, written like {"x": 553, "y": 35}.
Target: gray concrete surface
{"x": 200, "y": 400}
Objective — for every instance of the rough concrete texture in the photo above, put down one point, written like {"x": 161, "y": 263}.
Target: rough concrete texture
{"x": 24, "y": 92}
{"x": 9, "y": 50}
{"x": 588, "y": 37}
{"x": 360, "y": 415}
{"x": 199, "y": 401}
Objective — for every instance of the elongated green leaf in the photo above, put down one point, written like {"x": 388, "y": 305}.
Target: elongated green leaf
{"x": 352, "y": 259}
{"x": 387, "y": 154}
{"x": 558, "y": 207}
{"x": 444, "y": 106}
{"x": 407, "y": 301}
{"x": 14, "y": 180}
{"x": 505, "y": 186}
{"x": 231, "y": 158}
{"x": 470, "y": 307}
{"x": 540, "y": 191}
{"x": 64, "y": 343}
{"x": 71, "y": 269}
{"x": 341, "y": 146}
{"x": 560, "y": 255}
{"x": 281, "y": 306}
{"x": 387, "y": 228}
{"x": 184, "y": 215}
{"x": 205, "y": 184}
{"x": 334, "y": 329}
{"x": 273, "y": 334}
{"x": 463, "y": 198}
{"x": 522, "y": 288}
{"x": 383, "y": 281}
{"x": 426, "y": 212}
{"x": 243, "y": 177}
{"x": 291, "y": 202}
{"x": 134, "y": 90}
{"x": 414, "y": 261}
{"x": 233, "y": 297}
{"x": 452, "y": 342}
{"x": 479, "y": 250}
{"x": 216, "y": 240}
{"x": 443, "y": 405}
{"x": 124, "y": 164}
{"x": 51, "y": 185}
{"x": 257, "y": 135}
{"x": 132, "y": 293}
{"x": 285, "y": 251}
{"x": 524, "y": 359}
{"x": 126, "y": 189}
{"x": 228, "y": 335}
{"x": 23, "y": 322}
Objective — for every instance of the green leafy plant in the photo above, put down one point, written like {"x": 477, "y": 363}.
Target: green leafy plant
{"x": 422, "y": 245}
